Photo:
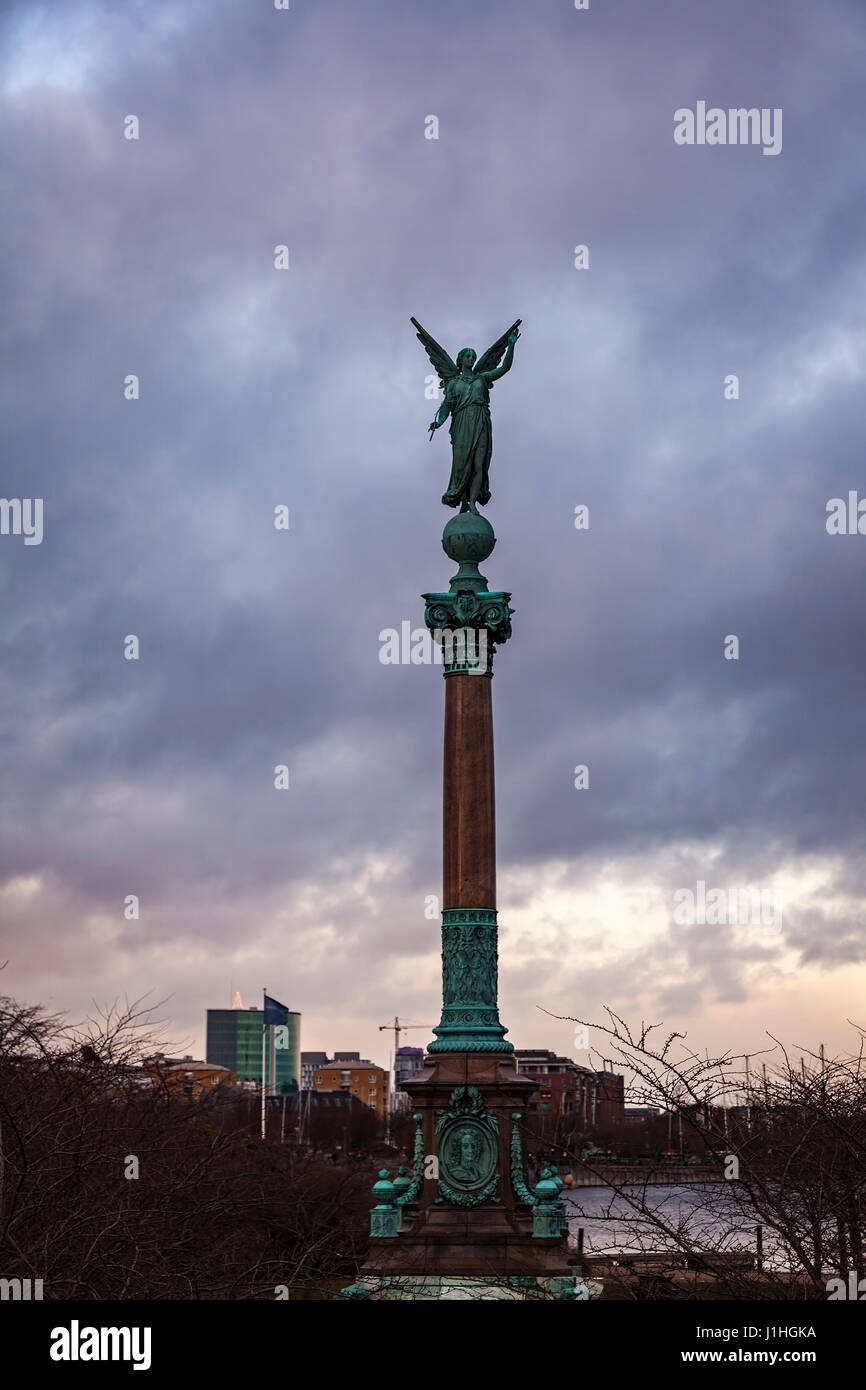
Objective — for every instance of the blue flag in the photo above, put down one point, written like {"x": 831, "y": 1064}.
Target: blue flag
{"x": 275, "y": 1012}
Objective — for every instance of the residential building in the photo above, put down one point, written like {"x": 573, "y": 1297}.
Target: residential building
{"x": 366, "y": 1080}
{"x": 581, "y": 1098}
{"x": 309, "y": 1061}
{"x": 186, "y": 1076}
{"x": 565, "y": 1088}
{"x": 611, "y": 1098}
{"x": 408, "y": 1062}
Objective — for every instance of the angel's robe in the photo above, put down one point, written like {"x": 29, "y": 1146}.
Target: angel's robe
{"x": 471, "y": 438}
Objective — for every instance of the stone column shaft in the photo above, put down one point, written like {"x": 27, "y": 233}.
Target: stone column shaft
{"x": 468, "y": 623}
{"x": 468, "y": 807}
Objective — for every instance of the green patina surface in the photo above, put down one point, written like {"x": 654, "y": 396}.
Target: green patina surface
{"x": 466, "y": 385}
{"x": 518, "y": 1178}
{"x": 470, "y": 1010}
{"x": 410, "y": 1192}
{"x": 468, "y": 1150}
{"x": 468, "y": 621}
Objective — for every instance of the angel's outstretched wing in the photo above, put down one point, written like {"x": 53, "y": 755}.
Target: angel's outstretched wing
{"x": 445, "y": 368}
{"x": 493, "y": 356}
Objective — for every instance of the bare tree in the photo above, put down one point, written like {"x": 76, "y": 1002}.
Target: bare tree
{"x": 114, "y": 1185}
{"x": 787, "y": 1145}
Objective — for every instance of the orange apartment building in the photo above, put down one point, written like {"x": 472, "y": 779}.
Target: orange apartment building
{"x": 187, "y": 1076}
{"x": 365, "y": 1080}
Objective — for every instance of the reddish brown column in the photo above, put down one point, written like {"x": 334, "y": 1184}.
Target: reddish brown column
{"x": 468, "y": 810}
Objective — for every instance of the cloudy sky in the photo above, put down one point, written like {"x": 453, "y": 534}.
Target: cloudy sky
{"x": 305, "y": 388}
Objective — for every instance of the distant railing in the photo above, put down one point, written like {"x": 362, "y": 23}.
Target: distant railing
{"x": 668, "y": 1174}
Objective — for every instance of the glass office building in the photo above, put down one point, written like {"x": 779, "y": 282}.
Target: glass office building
{"x": 234, "y": 1040}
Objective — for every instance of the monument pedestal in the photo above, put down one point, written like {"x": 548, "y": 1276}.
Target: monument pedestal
{"x": 471, "y": 1218}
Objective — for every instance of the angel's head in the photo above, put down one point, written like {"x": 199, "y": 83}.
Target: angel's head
{"x": 466, "y": 358}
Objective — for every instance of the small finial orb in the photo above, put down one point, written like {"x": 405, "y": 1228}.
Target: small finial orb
{"x": 468, "y": 538}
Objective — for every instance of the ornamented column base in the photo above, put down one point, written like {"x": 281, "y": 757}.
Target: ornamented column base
{"x": 470, "y": 1015}
{"x": 456, "y": 1039}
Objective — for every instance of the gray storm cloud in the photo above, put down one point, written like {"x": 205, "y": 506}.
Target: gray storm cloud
{"x": 306, "y": 388}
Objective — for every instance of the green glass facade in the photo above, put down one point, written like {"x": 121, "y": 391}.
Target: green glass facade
{"x": 234, "y": 1040}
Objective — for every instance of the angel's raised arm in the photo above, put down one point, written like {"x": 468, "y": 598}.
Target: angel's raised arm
{"x": 444, "y": 367}
{"x": 488, "y": 365}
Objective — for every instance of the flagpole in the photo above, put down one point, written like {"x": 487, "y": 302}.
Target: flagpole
{"x": 304, "y": 1119}
{"x": 264, "y": 1035}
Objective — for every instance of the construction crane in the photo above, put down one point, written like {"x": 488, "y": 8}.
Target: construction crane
{"x": 399, "y": 1028}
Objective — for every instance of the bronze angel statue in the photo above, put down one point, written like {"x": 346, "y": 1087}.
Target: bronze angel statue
{"x": 466, "y": 385}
